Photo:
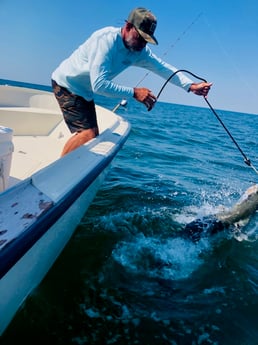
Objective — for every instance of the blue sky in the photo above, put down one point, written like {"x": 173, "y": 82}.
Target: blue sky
{"x": 215, "y": 39}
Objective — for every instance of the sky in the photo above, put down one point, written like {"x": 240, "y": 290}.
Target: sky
{"x": 214, "y": 39}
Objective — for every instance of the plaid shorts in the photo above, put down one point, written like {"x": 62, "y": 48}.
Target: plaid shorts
{"x": 78, "y": 113}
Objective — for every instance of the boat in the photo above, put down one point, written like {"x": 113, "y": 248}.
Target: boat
{"x": 43, "y": 196}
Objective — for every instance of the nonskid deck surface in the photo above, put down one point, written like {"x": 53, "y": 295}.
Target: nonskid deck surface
{"x": 16, "y": 215}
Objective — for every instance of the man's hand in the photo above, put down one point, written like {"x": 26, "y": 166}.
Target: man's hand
{"x": 145, "y": 96}
{"x": 201, "y": 89}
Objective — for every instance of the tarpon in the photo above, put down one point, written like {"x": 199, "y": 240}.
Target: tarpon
{"x": 227, "y": 219}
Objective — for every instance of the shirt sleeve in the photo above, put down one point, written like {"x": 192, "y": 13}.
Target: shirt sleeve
{"x": 163, "y": 69}
{"x": 100, "y": 66}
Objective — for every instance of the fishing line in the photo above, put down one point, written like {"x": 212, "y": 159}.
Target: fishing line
{"x": 246, "y": 159}
{"x": 173, "y": 44}
{"x": 225, "y": 50}
{"x": 123, "y": 103}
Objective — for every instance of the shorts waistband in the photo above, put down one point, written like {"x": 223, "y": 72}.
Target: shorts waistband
{"x": 64, "y": 89}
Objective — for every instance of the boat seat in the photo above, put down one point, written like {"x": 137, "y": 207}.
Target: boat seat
{"x": 30, "y": 120}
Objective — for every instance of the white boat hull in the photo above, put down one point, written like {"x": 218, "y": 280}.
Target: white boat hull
{"x": 28, "y": 272}
{"x": 47, "y": 196}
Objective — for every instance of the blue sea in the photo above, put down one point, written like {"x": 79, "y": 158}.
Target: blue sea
{"x": 127, "y": 276}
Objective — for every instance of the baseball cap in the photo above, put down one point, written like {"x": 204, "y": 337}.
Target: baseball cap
{"x": 144, "y": 22}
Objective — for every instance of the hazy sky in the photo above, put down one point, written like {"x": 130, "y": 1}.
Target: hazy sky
{"x": 216, "y": 39}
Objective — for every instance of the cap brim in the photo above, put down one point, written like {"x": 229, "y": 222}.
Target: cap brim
{"x": 148, "y": 38}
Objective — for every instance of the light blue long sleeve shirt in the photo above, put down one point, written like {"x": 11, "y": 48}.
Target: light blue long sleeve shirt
{"x": 92, "y": 67}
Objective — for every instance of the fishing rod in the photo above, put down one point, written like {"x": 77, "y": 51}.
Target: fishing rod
{"x": 173, "y": 45}
{"x": 246, "y": 159}
{"x": 123, "y": 102}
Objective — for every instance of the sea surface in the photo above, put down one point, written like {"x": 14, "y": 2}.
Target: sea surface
{"x": 128, "y": 276}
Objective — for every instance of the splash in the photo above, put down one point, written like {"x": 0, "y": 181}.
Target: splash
{"x": 173, "y": 258}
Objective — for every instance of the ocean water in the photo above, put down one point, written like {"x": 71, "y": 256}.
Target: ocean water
{"x": 128, "y": 276}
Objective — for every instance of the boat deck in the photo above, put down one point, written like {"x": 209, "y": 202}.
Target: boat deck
{"x": 17, "y": 215}
{"x": 32, "y": 153}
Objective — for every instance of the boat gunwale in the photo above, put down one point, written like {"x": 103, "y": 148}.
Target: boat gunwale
{"x": 14, "y": 250}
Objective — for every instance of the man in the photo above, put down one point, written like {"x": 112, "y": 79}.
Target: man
{"x": 92, "y": 67}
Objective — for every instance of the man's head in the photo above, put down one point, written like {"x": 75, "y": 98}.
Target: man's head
{"x": 145, "y": 23}
{"x": 139, "y": 29}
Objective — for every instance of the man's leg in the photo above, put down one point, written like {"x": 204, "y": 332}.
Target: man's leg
{"x": 79, "y": 139}
{"x": 79, "y": 115}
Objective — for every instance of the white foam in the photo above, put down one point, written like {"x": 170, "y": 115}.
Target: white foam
{"x": 173, "y": 258}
